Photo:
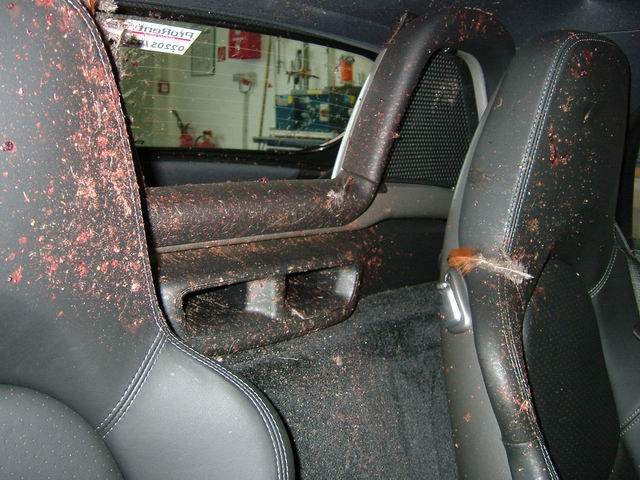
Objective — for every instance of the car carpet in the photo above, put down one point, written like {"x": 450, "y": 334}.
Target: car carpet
{"x": 364, "y": 399}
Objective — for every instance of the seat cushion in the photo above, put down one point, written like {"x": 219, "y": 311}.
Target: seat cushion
{"x": 41, "y": 437}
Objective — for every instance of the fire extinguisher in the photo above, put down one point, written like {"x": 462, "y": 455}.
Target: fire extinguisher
{"x": 186, "y": 137}
{"x": 205, "y": 140}
{"x": 346, "y": 68}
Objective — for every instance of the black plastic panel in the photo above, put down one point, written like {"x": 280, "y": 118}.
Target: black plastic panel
{"x": 228, "y": 298}
{"x": 437, "y": 128}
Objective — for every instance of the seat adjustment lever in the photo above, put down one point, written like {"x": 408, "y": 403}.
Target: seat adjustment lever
{"x": 457, "y": 316}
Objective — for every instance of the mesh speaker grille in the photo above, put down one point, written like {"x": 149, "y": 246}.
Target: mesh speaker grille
{"x": 437, "y": 127}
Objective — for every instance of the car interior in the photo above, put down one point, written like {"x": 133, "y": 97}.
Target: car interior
{"x": 320, "y": 239}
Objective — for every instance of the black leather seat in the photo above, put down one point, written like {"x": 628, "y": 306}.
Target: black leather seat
{"x": 95, "y": 385}
{"x": 546, "y": 383}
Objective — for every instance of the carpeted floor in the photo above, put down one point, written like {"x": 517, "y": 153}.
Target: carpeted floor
{"x": 364, "y": 399}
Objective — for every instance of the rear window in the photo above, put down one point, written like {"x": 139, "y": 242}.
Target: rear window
{"x": 194, "y": 86}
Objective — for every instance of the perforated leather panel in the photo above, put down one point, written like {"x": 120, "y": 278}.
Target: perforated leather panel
{"x": 437, "y": 127}
{"x": 568, "y": 376}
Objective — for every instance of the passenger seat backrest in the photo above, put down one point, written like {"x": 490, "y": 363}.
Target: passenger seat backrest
{"x": 540, "y": 193}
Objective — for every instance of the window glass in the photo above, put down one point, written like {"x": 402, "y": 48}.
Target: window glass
{"x": 195, "y": 86}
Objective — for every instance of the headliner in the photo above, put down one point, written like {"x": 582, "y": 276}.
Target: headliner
{"x": 367, "y": 23}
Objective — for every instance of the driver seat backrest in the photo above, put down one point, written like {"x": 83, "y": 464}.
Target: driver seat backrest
{"x": 83, "y": 338}
{"x": 537, "y": 196}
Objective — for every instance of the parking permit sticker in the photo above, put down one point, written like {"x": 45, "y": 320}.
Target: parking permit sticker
{"x": 155, "y": 37}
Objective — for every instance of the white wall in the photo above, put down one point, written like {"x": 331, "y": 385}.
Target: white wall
{"x": 214, "y": 102}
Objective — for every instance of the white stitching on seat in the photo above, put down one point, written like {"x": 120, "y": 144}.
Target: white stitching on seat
{"x": 154, "y": 355}
{"x": 527, "y": 159}
{"x": 271, "y": 425}
{"x": 133, "y": 379}
{"x": 239, "y": 383}
{"x": 139, "y": 389}
{"x": 543, "y": 110}
{"x": 629, "y": 427}
{"x": 607, "y": 273}
{"x": 629, "y": 418}
{"x": 247, "y": 390}
{"x": 521, "y": 379}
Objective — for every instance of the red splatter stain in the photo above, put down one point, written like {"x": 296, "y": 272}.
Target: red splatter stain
{"x": 94, "y": 74}
{"x": 14, "y": 10}
{"x": 51, "y": 189}
{"x": 87, "y": 189}
{"x": 480, "y": 23}
{"x": 134, "y": 325}
{"x": 16, "y": 275}
{"x": 523, "y": 406}
{"x": 467, "y": 417}
{"x": 587, "y": 55}
{"x": 555, "y": 158}
{"x": 52, "y": 264}
{"x": 82, "y": 269}
{"x": 8, "y": 146}
{"x": 567, "y": 106}
{"x": 65, "y": 20}
{"x": 462, "y": 28}
{"x": 83, "y": 237}
{"x": 577, "y": 71}
{"x": 82, "y": 214}
{"x": 135, "y": 266}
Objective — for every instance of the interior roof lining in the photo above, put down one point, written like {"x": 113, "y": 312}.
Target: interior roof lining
{"x": 366, "y": 24}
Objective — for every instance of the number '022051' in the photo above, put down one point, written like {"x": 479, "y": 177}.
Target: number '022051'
{"x": 164, "y": 46}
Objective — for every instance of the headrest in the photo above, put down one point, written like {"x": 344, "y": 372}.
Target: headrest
{"x": 544, "y": 175}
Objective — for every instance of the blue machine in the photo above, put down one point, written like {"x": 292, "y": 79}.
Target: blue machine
{"x": 313, "y": 112}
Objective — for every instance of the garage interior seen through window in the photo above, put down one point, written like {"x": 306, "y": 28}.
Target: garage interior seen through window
{"x": 193, "y": 86}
